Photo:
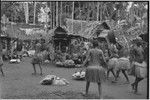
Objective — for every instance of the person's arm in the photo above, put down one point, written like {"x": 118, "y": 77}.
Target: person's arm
{"x": 116, "y": 50}
{"x": 87, "y": 58}
{"x": 103, "y": 59}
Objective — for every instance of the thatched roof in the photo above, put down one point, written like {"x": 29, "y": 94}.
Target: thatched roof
{"x": 104, "y": 33}
{"x": 13, "y": 31}
{"x": 20, "y": 31}
{"x": 60, "y": 30}
{"x": 89, "y": 28}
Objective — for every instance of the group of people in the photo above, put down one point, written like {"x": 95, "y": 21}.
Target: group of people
{"x": 76, "y": 51}
{"x": 96, "y": 63}
{"x": 134, "y": 63}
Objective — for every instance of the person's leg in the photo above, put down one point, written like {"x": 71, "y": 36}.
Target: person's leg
{"x": 136, "y": 84}
{"x": 117, "y": 74}
{"x": 125, "y": 74}
{"x": 113, "y": 73}
{"x": 1, "y": 70}
{"x": 34, "y": 69}
{"x": 40, "y": 69}
{"x": 108, "y": 73}
{"x": 87, "y": 87}
{"x": 133, "y": 84}
{"x": 100, "y": 90}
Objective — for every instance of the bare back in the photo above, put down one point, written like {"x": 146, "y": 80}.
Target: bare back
{"x": 96, "y": 57}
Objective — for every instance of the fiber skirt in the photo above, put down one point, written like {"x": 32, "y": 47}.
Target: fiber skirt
{"x": 36, "y": 60}
{"x": 95, "y": 74}
{"x": 141, "y": 71}
{"x": 122, "y": 64}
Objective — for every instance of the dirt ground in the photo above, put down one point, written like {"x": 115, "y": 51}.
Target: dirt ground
{"x": 19, "y": 83}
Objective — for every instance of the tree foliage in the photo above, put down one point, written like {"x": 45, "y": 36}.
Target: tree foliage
{"x": 83, "y": 10}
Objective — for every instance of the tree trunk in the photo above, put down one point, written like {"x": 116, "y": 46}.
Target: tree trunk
{"x": 88, "y": 15}
{"x": 51, "y": 15}
{"x": 54, "y": 15}
{"x": 97, "y": 11}
{"x": 26, "y": 9}
{"x": 61, "y": 10}
{"x": 34, "y": 12}
{"x": 72, "y": 14}
{"x": 101, "y": 12}
{"x": 57, "y": 14}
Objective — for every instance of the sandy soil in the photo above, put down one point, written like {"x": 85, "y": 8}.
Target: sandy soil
{"x": 19, "y": 83}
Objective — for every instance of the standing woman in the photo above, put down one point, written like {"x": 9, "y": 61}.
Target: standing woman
{"x": 37, "y": 58}
{"x": 95, "y": 71}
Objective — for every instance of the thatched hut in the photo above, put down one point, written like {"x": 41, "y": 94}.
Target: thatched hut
{"x": 60, "y": 39}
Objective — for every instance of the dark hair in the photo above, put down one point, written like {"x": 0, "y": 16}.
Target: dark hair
{"x": 95, "y": 43}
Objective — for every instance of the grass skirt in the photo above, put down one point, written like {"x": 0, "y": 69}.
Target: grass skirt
{"x": 123, "y": 64}
{"x": 95, "y": 74}
{"x": 141, "y": 70}
{"x": 138, "y": 70}
{"x": 36, "y": 60}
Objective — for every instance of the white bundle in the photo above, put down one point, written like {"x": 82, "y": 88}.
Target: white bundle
{"x": 69, "y": 62}
{"x": 46, "y": 61}
{"x": 48, "y": 80}
{"x": 15, "y": 61}
{"x": 53, "y": 80}
{"x": 59, "y": 81}
{"x": 31, "y": 52}
{"x": 79, "y": 75}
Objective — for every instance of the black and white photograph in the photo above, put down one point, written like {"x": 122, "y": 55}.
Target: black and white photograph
{"x": 74, "y": 50}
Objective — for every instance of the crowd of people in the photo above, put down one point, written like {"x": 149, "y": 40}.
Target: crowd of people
{"x": 97, "y": 60}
